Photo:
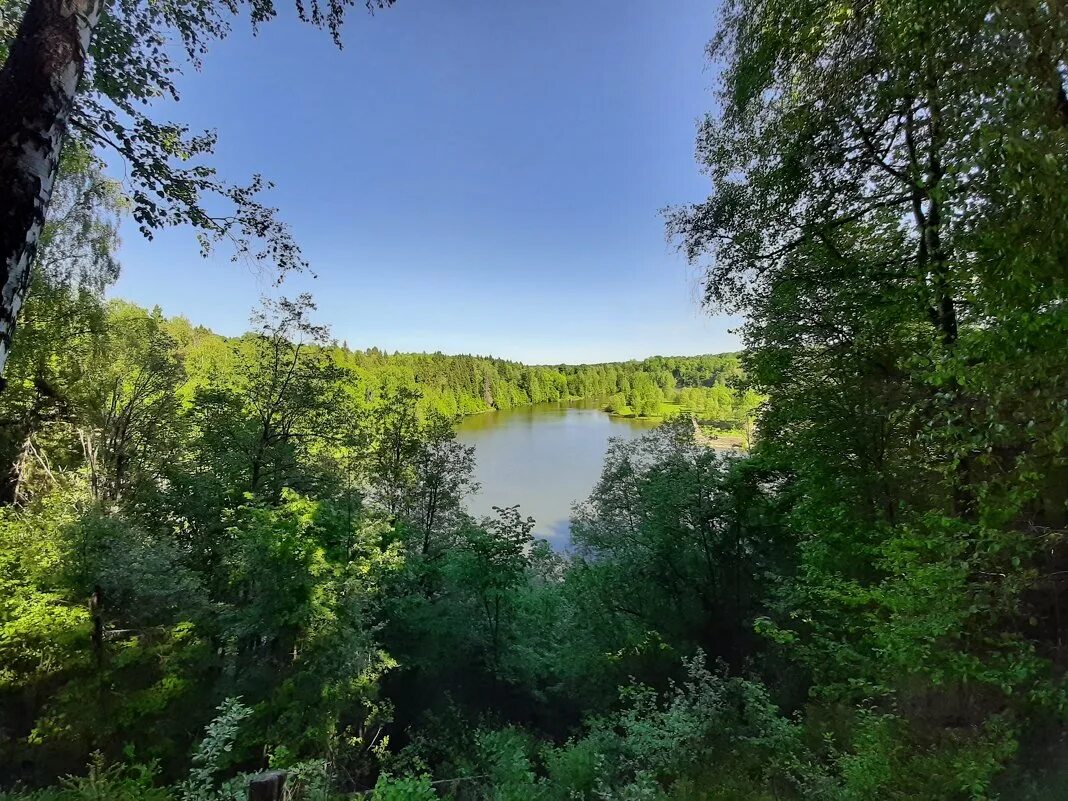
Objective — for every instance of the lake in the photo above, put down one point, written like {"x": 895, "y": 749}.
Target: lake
{"x": 543, "y": 457}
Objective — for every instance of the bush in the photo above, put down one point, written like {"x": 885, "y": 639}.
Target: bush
{"x": 409, "y": 788}
{"x": 103, "y": 782}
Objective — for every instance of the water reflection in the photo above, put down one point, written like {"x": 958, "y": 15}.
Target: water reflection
{"x": 544, "y": 458}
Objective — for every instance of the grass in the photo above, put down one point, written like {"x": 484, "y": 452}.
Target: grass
{"x": 717, "y": 436}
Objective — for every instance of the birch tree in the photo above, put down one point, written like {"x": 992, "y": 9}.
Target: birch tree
{"x": 37, "y": 87}
{"x": 90, "y": 69}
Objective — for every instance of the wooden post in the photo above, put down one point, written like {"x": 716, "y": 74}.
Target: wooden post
{"x": 267, "y": 786}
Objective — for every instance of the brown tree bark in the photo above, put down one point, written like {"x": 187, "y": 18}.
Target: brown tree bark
{"x": 37, "y": 87}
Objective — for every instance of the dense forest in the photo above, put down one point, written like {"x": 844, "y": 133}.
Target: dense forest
{"x": 223, "y": 555}
{"x": 709, "y": 387}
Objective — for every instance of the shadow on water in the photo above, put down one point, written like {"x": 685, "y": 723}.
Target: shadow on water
{"x": 544, "y": 458}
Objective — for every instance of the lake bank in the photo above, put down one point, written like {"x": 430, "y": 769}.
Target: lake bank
{"x": 707, "y": 434}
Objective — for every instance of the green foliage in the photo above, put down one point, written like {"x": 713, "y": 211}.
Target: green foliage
{"x": 870, "y": 219}
{"x": 214, "y": 752}
{"x": 865, "y": 606}
{"x": 104, "y": 782}
{"x": 266, "y": 517}
{"x": 40, "y": 634}
{"x": 705, "y": 726}
{"x": 407, "y": 788}
{"x": 721, "y": 734}
{"x": 683, "y": 527}
{"x": 504, "y": 757}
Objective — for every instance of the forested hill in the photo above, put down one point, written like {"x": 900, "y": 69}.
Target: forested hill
{"x": 460, "y": 385}
{"x": 450, "y": 384}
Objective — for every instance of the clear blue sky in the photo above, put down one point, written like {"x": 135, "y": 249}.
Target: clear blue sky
{"x": 470, "y": 176}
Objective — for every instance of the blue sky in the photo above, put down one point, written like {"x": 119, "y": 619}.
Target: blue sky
{"x": 470, "y": 176}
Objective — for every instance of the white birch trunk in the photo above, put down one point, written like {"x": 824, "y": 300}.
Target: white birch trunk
{"x": 37, "y": 87}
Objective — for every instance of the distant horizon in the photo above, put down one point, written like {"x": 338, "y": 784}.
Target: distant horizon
{"x": 342, "y": 342}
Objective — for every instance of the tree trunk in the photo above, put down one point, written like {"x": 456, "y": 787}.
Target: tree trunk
{"x": 1062, "y": 100}
{"x": 267, "y": 786}
{"x": 37, "y": 86}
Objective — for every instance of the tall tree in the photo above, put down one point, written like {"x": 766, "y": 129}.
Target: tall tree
{"x": 37, "y": 85}
{"x": 444, "y": 470}
{"x": 132, "y": 431}
{"x": 278, "y": 399}
{"x": 886, "y": 212}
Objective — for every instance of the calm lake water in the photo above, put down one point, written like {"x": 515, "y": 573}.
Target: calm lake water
{"x": 544, "y": 458}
